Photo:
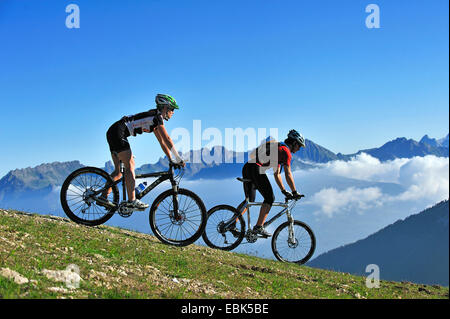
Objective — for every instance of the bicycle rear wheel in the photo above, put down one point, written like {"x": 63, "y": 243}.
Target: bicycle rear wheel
{"x": 182, "y": 229}
{"x": 216, "y": 235}
{"x": 298, "y": 249}
{"x": 78, "y": 199}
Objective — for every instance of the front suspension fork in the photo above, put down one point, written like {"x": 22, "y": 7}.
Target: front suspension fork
{"x": 175, "y": 200}
{"x": 291, "y": 237}
{"x": 124, "y": 189}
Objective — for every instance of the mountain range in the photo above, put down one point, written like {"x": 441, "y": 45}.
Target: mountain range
{"x": 306, "y": 158}
{"x": 42, "y": 179}
{"x": 406, "y": 148}
{"x": 443, "y": 142}
{"x": 415, "y": 249}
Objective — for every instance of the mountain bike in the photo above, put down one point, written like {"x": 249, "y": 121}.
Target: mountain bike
{"x": 177, "y": 216}
{"x": 293, "y": 241}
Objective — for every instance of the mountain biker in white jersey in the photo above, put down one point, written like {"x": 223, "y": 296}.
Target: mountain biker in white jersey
{"x": 151, "y": 121}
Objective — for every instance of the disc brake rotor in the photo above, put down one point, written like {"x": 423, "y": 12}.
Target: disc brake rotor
{"x": 177, "y": 220}
{"x": 293, "y": 244}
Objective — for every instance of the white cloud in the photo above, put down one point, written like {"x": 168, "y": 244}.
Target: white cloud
{"x": 424, "y": 179}
{"x": 366, "y": 167}
{"x": 331, "y": 200}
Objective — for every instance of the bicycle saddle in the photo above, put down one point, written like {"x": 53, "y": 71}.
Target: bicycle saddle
{"x": 243, "y": 180}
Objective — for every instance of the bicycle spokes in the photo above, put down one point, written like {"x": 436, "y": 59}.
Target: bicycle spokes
{"x": 293, "y": 242}
{"x": 177, "y": 218}
{"x": 83, "y": 197}
{"x": 225, "y": 228}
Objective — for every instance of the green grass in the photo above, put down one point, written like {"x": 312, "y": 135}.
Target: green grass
{"x": 117, "y": 263}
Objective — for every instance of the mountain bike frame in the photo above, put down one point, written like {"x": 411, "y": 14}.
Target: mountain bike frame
{"x": 162, "y": 176}
{"x": 246, "y": 204}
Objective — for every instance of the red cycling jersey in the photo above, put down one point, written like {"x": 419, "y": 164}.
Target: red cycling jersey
{"x": 284, "y": 156}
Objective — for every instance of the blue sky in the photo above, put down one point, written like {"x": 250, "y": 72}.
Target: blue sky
{"x": 310, "y": 65}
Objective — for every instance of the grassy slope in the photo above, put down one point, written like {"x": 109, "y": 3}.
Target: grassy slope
{"x": 117, "y": 263}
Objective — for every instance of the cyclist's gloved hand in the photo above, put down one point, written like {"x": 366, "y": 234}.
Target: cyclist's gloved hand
{"x": 181, "y": 163}
{"x": 296, "y": 195}
{"x": 287, "y": 194}
{"x": 178, "y": 164}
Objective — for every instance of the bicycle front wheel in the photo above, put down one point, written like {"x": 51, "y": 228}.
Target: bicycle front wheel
{"x": 182, "y": 228}
{"x": 216, "y": 235}
{"x": 297, "y": 246}
{"x": 78, "y": 199}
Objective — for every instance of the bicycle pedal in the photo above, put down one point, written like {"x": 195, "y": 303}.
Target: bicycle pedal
{"x": 258, "y": 235}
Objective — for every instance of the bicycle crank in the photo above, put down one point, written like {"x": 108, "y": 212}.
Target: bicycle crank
{"x": 251, "y": 236}
{"x": 124, "y": 211}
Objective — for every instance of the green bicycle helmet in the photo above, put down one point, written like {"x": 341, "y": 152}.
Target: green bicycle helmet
{"x": 162, "y": 100}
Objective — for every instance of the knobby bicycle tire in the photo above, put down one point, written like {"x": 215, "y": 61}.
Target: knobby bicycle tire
{"x": 79, "y": 188}
{"x": 212, "y": 232}
{"x": 194, "y": 224}
{"x": 310, "y": 236}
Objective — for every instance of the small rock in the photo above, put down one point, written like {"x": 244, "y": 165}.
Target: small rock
{"x": 424, "y": 290}
{"x": 69, "y": 276}
{"x": 98, "y": 256}
{"x": 175, "y": 280}
{"x": 436, "y": 287}
{"x": 59, "y": 290}
{"x": 14, "y": 275}
{"x": 122, "y": 273}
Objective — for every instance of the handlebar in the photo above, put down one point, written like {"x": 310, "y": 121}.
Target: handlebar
{"x": 175, "y": 165}
{"x": 287, "y": 199}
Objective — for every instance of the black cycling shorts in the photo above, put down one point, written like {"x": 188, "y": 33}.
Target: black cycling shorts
{"x": 117, "y": 137}
{"x": 259, "y": 182}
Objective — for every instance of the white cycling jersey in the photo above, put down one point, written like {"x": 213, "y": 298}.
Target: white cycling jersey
{"x": 143, "y": 122}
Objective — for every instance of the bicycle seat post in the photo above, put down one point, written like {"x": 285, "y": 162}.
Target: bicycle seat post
{"x": 248, "y": 213}
{"x": 122, "y": 171}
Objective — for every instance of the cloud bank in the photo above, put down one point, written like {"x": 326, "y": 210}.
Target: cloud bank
{"x": 422, "y": 178}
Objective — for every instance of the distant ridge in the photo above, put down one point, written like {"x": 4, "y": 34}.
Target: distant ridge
{"x": 403, "y": 148}
{"x": 415, "y": 249}
{"x": 230, "y": 162}
{"x": 430, "y": 141}
{"x": 444, "y": 141}
{"x": 39, "y": 177}
{"x": 45, "y": 177}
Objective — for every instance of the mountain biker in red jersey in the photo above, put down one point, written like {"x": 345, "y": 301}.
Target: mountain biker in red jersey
{"x": 151, "y": 121}
{"x": 275, "y": 155}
